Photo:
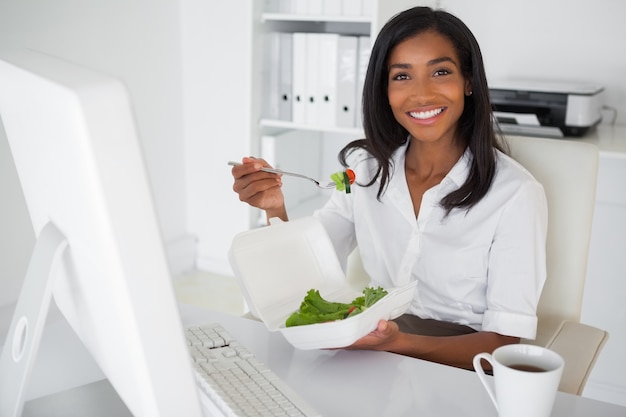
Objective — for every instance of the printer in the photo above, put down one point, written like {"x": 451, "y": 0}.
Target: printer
{"x": 549, "y": 109}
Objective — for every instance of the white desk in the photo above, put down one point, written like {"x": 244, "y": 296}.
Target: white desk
{"x": 338, "y": 383}
{"x": 611, "y": 140}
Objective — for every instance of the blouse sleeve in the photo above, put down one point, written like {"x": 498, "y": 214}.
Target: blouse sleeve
{"x": 517, "y": 264}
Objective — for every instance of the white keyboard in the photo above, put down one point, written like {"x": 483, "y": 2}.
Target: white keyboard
{"x": 234, "y": 383}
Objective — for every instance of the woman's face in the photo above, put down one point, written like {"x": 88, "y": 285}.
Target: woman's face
{"x": 426, "y": 87}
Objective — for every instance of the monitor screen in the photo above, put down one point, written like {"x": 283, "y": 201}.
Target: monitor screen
{"x": 74, "y": 142}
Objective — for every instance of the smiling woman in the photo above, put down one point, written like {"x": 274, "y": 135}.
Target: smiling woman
{"x": 436, "y": 200}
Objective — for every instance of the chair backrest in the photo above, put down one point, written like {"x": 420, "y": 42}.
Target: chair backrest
{"x": 568, "y": 171}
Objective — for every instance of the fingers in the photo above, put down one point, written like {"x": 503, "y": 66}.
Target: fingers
{"x": 253, "y": 160}
{"x": 258, "y": 188}
{"x": 248, "y": 166}
{"x": 250, "y": 187}
{"x": 382, "y": 330}
{"x": 249, "y": 179}
{"x": 382, "y": 327}
{"x": 379, "y": 338}
{"x": 251, "y": 165}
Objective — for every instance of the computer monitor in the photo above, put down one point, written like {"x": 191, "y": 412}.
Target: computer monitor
{"x": 99, "y": 250}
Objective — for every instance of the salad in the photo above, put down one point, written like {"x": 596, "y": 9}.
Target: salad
{"x": 315, "y": 309}
{"x": 343, "y": 180}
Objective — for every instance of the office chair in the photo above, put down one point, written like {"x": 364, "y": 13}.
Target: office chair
{"x": 568, "y": 171}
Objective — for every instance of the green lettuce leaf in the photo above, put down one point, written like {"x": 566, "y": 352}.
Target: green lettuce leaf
{"x": 315, "y": 309}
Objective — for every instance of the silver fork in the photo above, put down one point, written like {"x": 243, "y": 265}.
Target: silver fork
{"x": 330, "y": 184}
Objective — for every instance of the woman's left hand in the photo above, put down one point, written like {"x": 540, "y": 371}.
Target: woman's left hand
{"x": 378, "y": 339}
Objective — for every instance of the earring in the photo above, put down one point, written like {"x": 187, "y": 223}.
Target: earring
{"x": 469, "y": 94}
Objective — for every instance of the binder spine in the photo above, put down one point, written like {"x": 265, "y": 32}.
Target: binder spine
{"x": 364, "y": 49}
{"x": 285, "y": 93}
{"x": 313, "y": 95}
{"x": 298, "y": 76}
{"x": 271, "y": 77}
{"x": 346, "y": 82}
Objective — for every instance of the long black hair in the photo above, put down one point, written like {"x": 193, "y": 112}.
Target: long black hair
{"x": 384, "y": 135}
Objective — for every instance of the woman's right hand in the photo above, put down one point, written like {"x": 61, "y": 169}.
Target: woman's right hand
{"x": 258, "y": 188}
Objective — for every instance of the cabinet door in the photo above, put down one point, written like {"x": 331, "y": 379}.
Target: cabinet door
{"x": 605, "y": 289}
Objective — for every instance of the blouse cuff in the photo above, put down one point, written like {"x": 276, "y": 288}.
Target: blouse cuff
{"x": 510, "y": 324}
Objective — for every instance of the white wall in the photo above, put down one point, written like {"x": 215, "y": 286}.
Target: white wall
{"x": 138, "y": 41}
{"x": 563, "y": 40}
{"x": 217, "y": 55}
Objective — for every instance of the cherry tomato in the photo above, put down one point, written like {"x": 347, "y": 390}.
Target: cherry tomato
{"x": 351, "y": 175}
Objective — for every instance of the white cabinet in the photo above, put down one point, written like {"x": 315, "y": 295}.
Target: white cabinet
{"x": 605, "y": 290}
{"x": 308, "y": 141}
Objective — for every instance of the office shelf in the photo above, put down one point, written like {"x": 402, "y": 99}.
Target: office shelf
{"x": 284, "y": 17}
{"x": 273, "y": 127}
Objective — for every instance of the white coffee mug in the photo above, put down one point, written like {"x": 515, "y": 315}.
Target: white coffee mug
{"x": 526, "y": 379}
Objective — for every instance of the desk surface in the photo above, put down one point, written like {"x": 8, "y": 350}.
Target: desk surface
{"x": 379, "y": 384}
{"x": 341, "y": 383}
{"x": 610, "y": 140}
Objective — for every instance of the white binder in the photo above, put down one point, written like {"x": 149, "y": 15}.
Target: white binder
{"x": 298, "y": 77}
{"x": 271, "y": 76}
{"x": 331, "y": 7}
{"x": 327, "y": 69}
{"x": 285, "y": 6}
{"x": 346, "y": 81}
{"x": 364, "y": 49}
{"x": 272, "y": 6}
{"x": 285, "y": 102}
{"x": 352, "y": 8}
{"x": 368, "y": 8}
{"x": 312, "y": 89}
{"x": 315, "y": 7}
{"x": 299, "y": 7}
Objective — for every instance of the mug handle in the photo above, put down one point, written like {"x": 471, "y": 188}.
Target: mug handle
{"x": 483, "y": 377}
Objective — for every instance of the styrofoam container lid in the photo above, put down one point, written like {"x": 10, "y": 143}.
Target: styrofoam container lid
{"x": 277, "y": 265}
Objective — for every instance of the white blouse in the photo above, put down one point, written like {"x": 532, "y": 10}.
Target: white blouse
{"x": 484, "y": 268}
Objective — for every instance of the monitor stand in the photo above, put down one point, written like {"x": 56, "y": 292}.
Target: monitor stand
{"x": 29, "y": 318}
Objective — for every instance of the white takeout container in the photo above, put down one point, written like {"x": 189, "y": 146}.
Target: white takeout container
{"x": 277, "y": 265}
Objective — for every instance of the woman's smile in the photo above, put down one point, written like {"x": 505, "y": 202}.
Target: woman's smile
{"x": 426, "y": 115}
